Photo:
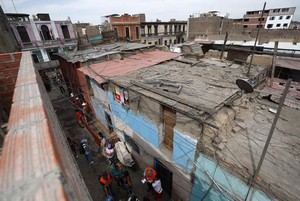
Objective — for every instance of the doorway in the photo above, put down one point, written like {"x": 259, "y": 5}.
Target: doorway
{"x": 109, "y": 122}
{"x": 165, "y": 175}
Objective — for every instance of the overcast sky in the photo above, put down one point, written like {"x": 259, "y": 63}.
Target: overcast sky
{"x": 92, "y": 10}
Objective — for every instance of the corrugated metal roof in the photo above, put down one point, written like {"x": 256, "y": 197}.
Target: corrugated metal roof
{"x": 288, "y": 63}
{"x": 293, "y": 98}
{"x": 104, "y": 70}
{"x": 101, "y": 51}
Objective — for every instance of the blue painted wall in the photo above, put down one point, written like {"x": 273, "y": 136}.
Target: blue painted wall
{"x": 222, "y": 178}
{"x": 140, "y": 124}
{"x": 184, "y": 149}
{"x": 100, "y": 112}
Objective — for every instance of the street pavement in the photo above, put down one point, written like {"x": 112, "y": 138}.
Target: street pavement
{"x": 66, "y": 115}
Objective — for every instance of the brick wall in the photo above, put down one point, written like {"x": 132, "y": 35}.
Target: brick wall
{"x": 279, "y": 34}
{"x": 35, "y": 152}
{"x": 126, "y": 21}
{"x": 212, "y": 26}
{"x": 69, "y": 73}
{"x": 9, "y": 67}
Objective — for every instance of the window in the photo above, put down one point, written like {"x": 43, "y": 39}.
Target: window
{"x": 285, "y": 10}
{"x": 116, "y": 32}
{"x": 276, "y": 10}
{"x": 35, "y": 58}
{"x": 288, "y": 17}
{"x": 149, "y": 30}
{"x": 127, "y": 34}
{"x": 280, "y": 17}
{"x": 246, "y": 20}
{"x": 285, "y": 25}
{"x": 272, "y": 18}
{"x": 121, "y": 95}
{"x": 269, "y": 26}
{"x": 262, "y": 19}
{"x": 137, "y": 33}
{"x": 52, "y": 55}
{"x": 278, "y": 25}
{"x": 245, "y": 26}
{"x": 65, "y": 31}
{"x": 45, "y": 32}
{"x": 23, "y": 34}
{"x": 132, "y": 143}
{"x": 257, "y": 26}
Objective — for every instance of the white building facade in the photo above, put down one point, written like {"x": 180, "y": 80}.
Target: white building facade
{"x": 280, "y": 18}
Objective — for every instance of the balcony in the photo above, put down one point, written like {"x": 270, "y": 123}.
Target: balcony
{"x": 48, "y": 43}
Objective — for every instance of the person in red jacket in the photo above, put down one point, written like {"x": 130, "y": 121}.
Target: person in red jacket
{"x": 149, "y": 175}
{"x": 78, "y": 118}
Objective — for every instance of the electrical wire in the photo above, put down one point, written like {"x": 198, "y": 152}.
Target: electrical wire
{"x": 173, "y": 141}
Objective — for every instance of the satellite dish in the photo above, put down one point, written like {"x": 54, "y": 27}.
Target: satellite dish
{"x": 244, "y": 86}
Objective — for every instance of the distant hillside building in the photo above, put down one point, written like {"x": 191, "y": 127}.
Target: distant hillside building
{"x": 278, "y": 18}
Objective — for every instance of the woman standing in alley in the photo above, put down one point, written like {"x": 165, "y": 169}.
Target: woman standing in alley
{"x": 157, "y": 187}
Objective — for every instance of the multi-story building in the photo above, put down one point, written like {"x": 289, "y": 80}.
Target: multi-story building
{"x": 42, "y": 36}
{"x": 251, "y": 20}
{"x": 164, "y": 33}
{"x": 127, "y": 27}
{"x": 278, "y": 18}
{"x": 134, "y": 28}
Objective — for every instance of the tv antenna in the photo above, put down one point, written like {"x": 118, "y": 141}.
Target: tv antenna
{"x": 245, "y": 86}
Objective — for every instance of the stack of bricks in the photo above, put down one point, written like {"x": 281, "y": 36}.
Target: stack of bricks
{"x": 9, "y": 67}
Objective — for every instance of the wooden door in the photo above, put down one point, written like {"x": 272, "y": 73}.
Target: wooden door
{"x": 169, "y": 118}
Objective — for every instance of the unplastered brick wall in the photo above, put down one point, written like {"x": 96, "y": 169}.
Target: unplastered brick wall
{"x": 9, "y": 68}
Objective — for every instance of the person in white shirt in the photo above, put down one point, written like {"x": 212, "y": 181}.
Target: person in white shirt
{"x": 110, "y": 153}
{"x": 157, "y": 187}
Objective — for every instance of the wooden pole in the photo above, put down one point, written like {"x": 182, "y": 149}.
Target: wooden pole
{"x": 252, "y": 54}
{"x": 274, "y": 62}
{"x": 225, "y": 40}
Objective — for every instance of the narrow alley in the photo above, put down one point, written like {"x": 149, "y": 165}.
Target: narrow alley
{"x": 90, "y": 173}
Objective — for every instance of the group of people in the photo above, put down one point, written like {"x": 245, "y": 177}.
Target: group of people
{"x": 122, "y": 178}
{"x": 118, "y": 174}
